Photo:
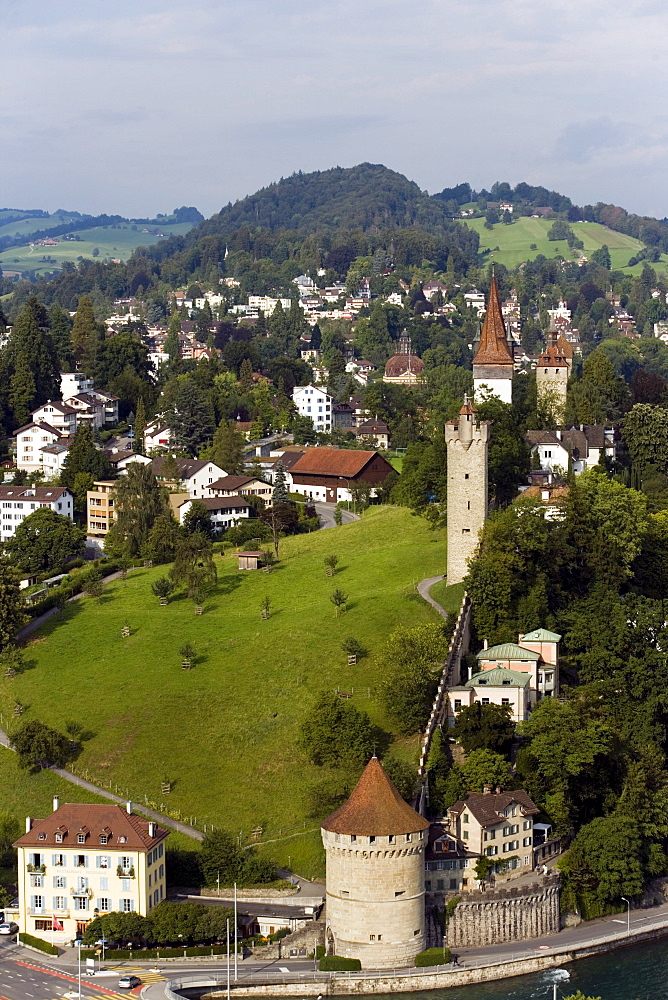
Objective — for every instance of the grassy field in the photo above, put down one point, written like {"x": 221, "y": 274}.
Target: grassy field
{"x": 515, "y": 241}
{"x": 32, "y": 224}
{"x": 118, "y": 243}
{"x": 224, "y": 733}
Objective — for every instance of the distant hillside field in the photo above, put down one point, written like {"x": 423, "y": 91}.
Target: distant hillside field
{"x": 113, "y": 243}
{"x": 514, "y": 242}
{"x": 224, "y": 733}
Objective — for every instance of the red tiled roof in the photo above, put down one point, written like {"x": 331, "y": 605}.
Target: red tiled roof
{"x": 402, "y": 364}
{"x": 43, "y": 426}
{"x": 332, "y": 462}
{"x": 487, "y": 807}
{"x": 493, "y": 348}
{"x": 70, "y": 818}
{"x": 375, "y": 808}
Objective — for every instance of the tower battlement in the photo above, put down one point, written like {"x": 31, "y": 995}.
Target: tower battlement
{"x": 467, "y": 442}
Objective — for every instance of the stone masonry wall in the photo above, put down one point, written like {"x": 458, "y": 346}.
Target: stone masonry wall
{"x": 499, "y": 915}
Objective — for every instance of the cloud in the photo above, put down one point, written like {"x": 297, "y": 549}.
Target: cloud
{"x": 581, "y": 141}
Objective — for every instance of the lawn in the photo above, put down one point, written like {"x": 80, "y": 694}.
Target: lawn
{"x": 515, "y": 241}
{"x": 224, "y": 733}
{"x": 118, "y": 243}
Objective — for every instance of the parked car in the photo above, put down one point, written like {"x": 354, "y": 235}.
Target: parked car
{"x": 129, "y": 982}
{"x": 8, "y": 928}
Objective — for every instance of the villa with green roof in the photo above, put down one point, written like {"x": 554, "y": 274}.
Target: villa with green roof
{"x": 512, "y": 674}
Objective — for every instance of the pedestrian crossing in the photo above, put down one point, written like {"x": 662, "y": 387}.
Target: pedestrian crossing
{"x": 147, "y": 976}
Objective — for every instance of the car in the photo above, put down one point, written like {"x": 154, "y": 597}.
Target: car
{"x": 129, "y": 982}
{"x": 8, "y": 928}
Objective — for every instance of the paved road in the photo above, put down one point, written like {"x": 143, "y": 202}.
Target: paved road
{"x": 24, "y": 975}
{"x": 424, "y": 586}
{"x": 325, "y": 512}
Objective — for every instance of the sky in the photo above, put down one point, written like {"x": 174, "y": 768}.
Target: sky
{"x": 134, "y": 108}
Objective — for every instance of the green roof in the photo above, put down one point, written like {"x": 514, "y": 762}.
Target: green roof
{"x": 507, "y": 651}
{"x": 541, "y": 635}
{"x": 499, "y": 677}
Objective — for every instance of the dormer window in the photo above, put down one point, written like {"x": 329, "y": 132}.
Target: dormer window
{"x": 59, "y": 838}
{"x": 122, "y": 840}
{"x": 81, "y": 838}
{"x": 41, "y": 836}
{"x": 103, "y": 838}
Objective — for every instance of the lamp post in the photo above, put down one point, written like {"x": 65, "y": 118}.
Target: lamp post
{"x": 79, "y": 943}
{"x": 218, "y": 881}
{"x": 628, "y": 915}
{"x": 236, "y": 938}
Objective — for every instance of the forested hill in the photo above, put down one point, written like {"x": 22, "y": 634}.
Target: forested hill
{"x": 366, "y": 196}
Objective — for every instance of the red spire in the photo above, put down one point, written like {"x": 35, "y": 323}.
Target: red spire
{"x": 375, "y": 807}
{"x": 493, "y": 348}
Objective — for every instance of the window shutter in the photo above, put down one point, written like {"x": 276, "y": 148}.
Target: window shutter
{"x": 98, "y": 862}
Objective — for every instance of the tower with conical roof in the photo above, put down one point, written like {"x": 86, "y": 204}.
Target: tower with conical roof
{"x": 467, "y": 443}
{"x": 493, "y": 364}
{"x": 375, "y": 848}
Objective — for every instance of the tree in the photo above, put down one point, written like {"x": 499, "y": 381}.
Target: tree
{"x": 87, "y": 335}
{"x": 227, "y": 450}
{"x": 190, "y": 416}
{"x": 140, "y": 425}
{"x": 339, "y": 599}
{"x": 246, "y": 373}
{"x": 223, "y": 858}
{"x": 331, "y": 562}
{"x": 602, "y": 257}
{"x": 280, "y": 517}
{"x": 83, "y": 456}
{"x": 162, "y": 588}
{"x": 605, "y": 860}
{"x": 645, "y": 434}
{"x": 45, "y": 541}
{"x": 193, "y": 566}
{"x": 485, "y": 768}
{"x": 22, "y": 391}
{"x": 12, "y": 606}
{"x": 38, "y": 746}
{"x": 94, "y": 585}
{"x": 198, "y": 519}
{"x": 139, "y": 501}
{"x": 335, "y": 733}
{"x": 487, "y": 727}
{"x": 163, "y": 538}
{"x": 280, "y": 490}
{"x": 413, "y": 660}
{"x": 31, "y": 345}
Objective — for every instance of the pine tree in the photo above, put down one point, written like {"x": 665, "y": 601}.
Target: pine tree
{"x": 191, "y": 418}
{"x": 83, "y": 457}
{"x": 172, "y": 341}
{"x": 280, "y": 491}
{"x": 86, "y": 334}
{"x": 138, "y": 501}
{"x": 31, "y": 344}
{"x": 246, "y": 376}
{"x": 22, "y": 392}
{"x": 140, "y": 425}
{"x": 228, "y": 448}
{"x": 12, "y": 607}
{"x": 61, "y": 334}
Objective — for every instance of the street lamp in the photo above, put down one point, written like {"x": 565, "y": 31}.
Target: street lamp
{"x": 628, "y": 915}
{"x": 79, "y": 943}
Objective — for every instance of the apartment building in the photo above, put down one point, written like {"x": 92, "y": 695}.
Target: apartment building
{"x": 100, "y": 507}
{"x": 315, "y": 404}
{"x": 19, "y": 502}
{"x": 84, "y": 861}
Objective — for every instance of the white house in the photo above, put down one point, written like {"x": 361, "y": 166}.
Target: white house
{"x": 19, "y": 502}
{"x": 88, "y": 409}
{"x": 58, "y": 415}
{"x": 315, "y": 404}
{"x": 72, "y": 383}
{"x": 53, "y": 458}
{"x": 585, "y": 446}
{"x": 475, "y": 300}
{"x": 245, "y": 486}
{"x": 224, "y": 512}
{"x": 156, "y": 435}
{"x": 110, "y": 404}
{"x": 30, "y": 439}
{"x": 84, "y": 861}
{"x": 193, "y": 474}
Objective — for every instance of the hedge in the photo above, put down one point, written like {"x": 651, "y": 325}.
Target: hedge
{"x": 35, "y": 942}
{"x": 72, "y": 585}
{"x": 333, "y": 963}
{"x": 142, "y": 954}
{"x": 432, "y": 956}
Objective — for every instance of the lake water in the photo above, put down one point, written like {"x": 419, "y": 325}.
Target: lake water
{"x": 636, "y": 973}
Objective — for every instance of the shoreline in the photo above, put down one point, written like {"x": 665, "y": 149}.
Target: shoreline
{"x": 417, "y": 980}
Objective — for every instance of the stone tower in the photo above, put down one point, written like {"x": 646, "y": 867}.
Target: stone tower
{"x": 375, "y": 847}
{"x": 552, "y": 370}
{"x": 493, "y": 364}
{"x": 467, "y": 441}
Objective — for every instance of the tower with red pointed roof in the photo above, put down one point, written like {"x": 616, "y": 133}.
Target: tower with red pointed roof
{"x": 493, "y": 364}
{"x": 552, "y": 370}
{"x": 467, "y": 443}
{"x": 375, "y": 846}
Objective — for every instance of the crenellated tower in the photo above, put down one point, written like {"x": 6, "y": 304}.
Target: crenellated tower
{"x": 467, "y": 442}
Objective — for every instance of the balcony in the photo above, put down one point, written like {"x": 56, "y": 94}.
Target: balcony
{"x": 36, "y": 911}
{"x": 125, "y": 872}
{"x": 36, "y": 869}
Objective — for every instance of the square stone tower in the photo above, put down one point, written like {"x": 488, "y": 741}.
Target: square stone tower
{"x": 552, "y": 372}
{"x": 467, "y": 442}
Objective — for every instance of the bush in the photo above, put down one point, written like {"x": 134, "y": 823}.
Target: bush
{"x": 332, "y": 963}
{"x": 432, "y": 956}
{"x": 35, "y": 942}
{"x": 144, "y": 954}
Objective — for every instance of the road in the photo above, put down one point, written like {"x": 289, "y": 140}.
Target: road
{"x": 325, "y": 512}
{"x": 23, "y": 974}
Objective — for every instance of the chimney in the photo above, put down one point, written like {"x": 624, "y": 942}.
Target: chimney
{"x": 484, "y": 644}
{"x": 498, "y": 789}
{"x": 56, "y": 802}
{"x": 487, "y": 790}
{"x": 128, "y": 808}
{"x": 28, "y": 824}
{"x": 151, "y": 829}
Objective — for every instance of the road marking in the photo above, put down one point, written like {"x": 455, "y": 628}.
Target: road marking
{"x": 282, "y": 968}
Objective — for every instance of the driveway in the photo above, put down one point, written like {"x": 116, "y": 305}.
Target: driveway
{"x": 325, "y": 512}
